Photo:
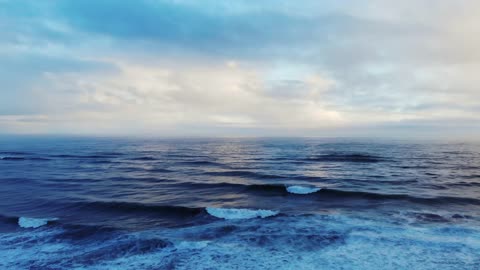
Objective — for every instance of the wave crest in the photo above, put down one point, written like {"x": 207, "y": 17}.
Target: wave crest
{"x": 342, "y": 157}
{"x": 239, "y": 213}
{"x": 302, "y": 190}
{"x": 26, "y": 222}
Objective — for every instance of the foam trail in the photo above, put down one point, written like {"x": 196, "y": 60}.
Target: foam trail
{"x": 26, "y": 222}
{"x": 233, "y": 213}
{"x": 302, "y": 190}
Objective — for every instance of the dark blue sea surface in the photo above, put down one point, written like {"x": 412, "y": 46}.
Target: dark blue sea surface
{"x": 101, "y": 203}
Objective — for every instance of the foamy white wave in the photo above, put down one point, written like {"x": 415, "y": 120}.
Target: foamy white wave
{"x": 341, "y": 242}
{"x": 302, "y": 190}
{"x": 233, "y": 213}
{"x": 192, "y": 244}
{"x": 26, "y": 222}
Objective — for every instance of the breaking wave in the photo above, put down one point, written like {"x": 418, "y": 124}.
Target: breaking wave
{"x": 234, "y": 213}
{"x": 27, "y": 222}
{"x": 302, "y": 190}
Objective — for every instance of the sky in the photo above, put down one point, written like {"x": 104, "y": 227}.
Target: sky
{"x": 240, "y": 68}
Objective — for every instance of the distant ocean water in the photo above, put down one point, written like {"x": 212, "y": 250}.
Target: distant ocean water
{"x": 99, "y": 203}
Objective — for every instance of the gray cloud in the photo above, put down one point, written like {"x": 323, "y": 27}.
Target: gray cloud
{"x": 272, "y": 65}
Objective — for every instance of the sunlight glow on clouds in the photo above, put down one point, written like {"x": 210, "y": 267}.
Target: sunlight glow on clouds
{"x": 186, "y": 67}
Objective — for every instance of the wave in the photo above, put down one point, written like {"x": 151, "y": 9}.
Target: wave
{"x": 273, "y": 189}
{"x": 13, "y": 158}
{"x": 9, "y": 224}
{"x": 14, "y": 153}
{"x": 140, "y": 169}
{"x": 239, "y": 213}
{"x": 342, "y": 194}
{"x": 139, "y": 179}
{"x": 27, "y": 222}
{"x": 159, "y": 170}
{"x": 170, "y": 212}
{"x": 302, "y": 189}
{"x": 330, "y": 194}
{"x": 109, "y": 154}
{"x": 81, "y": 156}
{"x": 24, "y": 158}
{"x": 39, "y": 159}
{"x": 248, "y": 174}
{"x": 8, "y": 219}
{"x": 77, "y": 232}
{"x": 228, "y": 187}
{"x": 119, "y": 248}
{"x": 474, "y": 176}
{"x": 463, "y": 184}
{"x": 140, "y": 207}
{"x": 429, "y": 217}
{"x": 143, "y": 158}
{"x": 200, "y": 163}
{"x": 340, "y": 157}
{"x": 183, "y": 156}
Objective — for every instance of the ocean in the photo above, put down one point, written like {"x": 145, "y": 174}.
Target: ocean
{"x": 249, "y": 203}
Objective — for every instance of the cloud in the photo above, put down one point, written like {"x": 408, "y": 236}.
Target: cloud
{"x": 189, "y": 93}
{"x": 304, "y": 67}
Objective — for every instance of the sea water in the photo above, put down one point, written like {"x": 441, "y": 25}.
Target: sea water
{"x": 110, "y": 203}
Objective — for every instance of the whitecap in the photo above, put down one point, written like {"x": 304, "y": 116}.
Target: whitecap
{"x": 26, "y": 222}
{"x": 192, "y": 244}
{"x": 302, "y": 190}
{"x": 234, "y": 213}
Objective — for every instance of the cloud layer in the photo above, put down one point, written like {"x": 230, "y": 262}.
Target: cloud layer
{"x": 184, "y": 67}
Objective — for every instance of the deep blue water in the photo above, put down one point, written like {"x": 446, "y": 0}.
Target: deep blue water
{"x": 99, "y": 203}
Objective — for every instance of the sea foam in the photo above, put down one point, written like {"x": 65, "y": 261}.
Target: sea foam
{"x": 302, "y": 190}
{"x": 233, "y": 213}
{"x": 26, "y": 222}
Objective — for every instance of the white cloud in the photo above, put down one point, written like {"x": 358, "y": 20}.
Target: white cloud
{"x": 307, "y": 65}
{"x": 166, "y": 95}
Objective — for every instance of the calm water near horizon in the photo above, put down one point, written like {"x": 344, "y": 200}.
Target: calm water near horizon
{"x": 99, "y": 203}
